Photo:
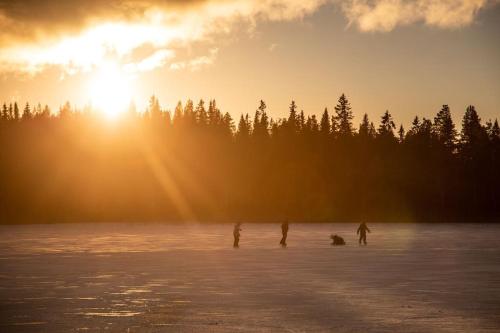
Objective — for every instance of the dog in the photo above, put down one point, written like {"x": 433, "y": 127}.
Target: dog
{"x": 337, "y": 240}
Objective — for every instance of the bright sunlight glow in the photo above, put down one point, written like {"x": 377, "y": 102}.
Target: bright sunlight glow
{"x": 110, "y": 90}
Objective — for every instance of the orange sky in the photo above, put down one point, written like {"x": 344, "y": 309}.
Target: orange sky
{"x": 406, "y": 56}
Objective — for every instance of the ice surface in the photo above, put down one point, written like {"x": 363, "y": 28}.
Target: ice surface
{"x": 188, "y": 278}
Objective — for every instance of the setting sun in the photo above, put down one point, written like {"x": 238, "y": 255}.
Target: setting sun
{"x": 110, "y": 90}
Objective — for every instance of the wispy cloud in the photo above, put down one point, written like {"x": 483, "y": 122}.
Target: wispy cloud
{"x": 79, "y": 35}
{"x": 196, "y": 63}
{"x": 99, "y": 29}
{"x": 385, "y": 15}
{"x": 157, "y": 59}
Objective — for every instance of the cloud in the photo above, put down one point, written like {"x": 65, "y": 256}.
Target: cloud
{"x": 196, "y": 63}
{"x": 79, "y": 35}
{"x": 157, "y": 59}
{"x": 385, "y": 15}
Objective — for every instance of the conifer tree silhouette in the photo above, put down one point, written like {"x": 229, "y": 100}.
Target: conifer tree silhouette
{"x": 344, "y": 116}
{"x": 194, "y": 163}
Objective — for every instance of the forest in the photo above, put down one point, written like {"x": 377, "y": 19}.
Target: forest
{"x": 196, "y": 163}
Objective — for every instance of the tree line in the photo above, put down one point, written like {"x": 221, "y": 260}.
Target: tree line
{"x": 196, "y": 164}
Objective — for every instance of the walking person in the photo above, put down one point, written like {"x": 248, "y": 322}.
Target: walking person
{"x": 236, "y": 234}
{"x": 284, "y": 232}
{"x": 362, "y": 229}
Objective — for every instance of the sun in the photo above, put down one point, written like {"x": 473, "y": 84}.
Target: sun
{"x": 110, "y": 90}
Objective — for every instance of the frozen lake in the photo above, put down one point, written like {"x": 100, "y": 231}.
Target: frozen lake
{"x": 188, "y": 278}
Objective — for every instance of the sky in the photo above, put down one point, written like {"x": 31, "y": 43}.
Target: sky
{"x": 405, "y": 56}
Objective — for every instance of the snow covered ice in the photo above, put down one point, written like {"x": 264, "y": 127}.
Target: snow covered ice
{"x": 188, "y": 278}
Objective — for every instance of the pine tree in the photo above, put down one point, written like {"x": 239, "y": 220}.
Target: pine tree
{"x": 37, "y": 111}
{"x": 344, "y": 116}
{"x": 46, "y": 111}
{"x": 472, "y": 131}
{"x": 16, "y": 112}
{"x": 372, "y": 133}
{"x": 415, "y": 127}
{"x": 314, "y": 126}
{"x": 178, "y": 114}
{"x": 244, "y": 128}
{"x": 494, "y": 133}
{"x": 488, "y": 126}
{"x": 387, "y": 126}
{"x": 189, "y": 114}
{"x": 65, "y": 110}
{"x": 256, "y": 119}
{"x": 264, "y": 121}
{"x": 201, "y": 113}
{"x": 444, "y": 128}
{"x": 302, "y": 120}
{"x": 27, "y": 112}
{"x": 293, "y": 121}
{"x": 401, "y": 134}
{"x": 425, "y": 135}
{"x": 228, "y": 124}
{"x": 364, "y": 127}
{"x": 213, "y": 114}
{"x": 334, "y": 127}
{"x": 473, "y": 144}
{"x": 5, "y": 112}
{"x": 324, "y": 126}
{"x": 307, "y": 125}
{"x": 154, "y": 110}
{"x": 261, "y": 121}
{"x": 11, "y": 112}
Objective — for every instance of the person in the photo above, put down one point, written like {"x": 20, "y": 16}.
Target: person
{"x": 284, "y": 232}
{"x": 236, "y": 234}
{"x": 337, "y": 240}
{"x": 362, "y": 232}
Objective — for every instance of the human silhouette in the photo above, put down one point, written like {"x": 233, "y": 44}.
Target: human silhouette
{"x": 284, "y": 232}
{"x": 337, "y": 240}
{"x": 362, "y": 229}
{"x": 236, "y": 234}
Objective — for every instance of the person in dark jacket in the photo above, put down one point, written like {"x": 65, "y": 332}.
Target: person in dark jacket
{"x": 236, "y": 234}
{"x": 362, "y": 229}
{"x": 284, "y": 232}
{"x": 337, "y": 240}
